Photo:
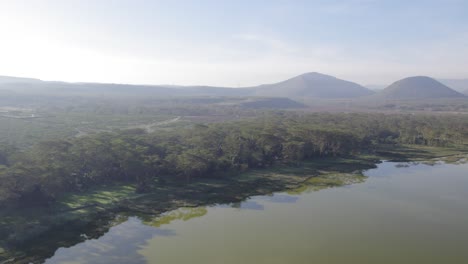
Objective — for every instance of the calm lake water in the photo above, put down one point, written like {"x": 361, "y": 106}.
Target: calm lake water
{"x": 400, "y": 214}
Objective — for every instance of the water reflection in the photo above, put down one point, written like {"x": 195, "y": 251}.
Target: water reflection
{"x": 328, "y": 180}
{"x": 280, "y": 198}
{"x": 184, "y": 214}
{"x": 119, "y": 245}
{"x": 123, "y": 241}
{"x": 410, "y": 215}
{"x": 247, "y": 205}
{"x": 427, "y": 202}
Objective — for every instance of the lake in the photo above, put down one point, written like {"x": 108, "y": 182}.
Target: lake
{"x": 402, "y": 213}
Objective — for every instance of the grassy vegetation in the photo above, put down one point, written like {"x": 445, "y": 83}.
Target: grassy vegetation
{"x": 53, "y": 125}
{"x": 25, "y": 123}
{"x": 99, "y": 197}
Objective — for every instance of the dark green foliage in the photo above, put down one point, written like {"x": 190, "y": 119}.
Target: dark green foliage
{"x": 53, "y": 167}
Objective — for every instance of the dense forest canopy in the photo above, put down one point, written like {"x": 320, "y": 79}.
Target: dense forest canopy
{"x": 39, "y": 174}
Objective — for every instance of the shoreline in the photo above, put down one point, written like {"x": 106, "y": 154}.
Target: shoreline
{"x": 98, "y": 208}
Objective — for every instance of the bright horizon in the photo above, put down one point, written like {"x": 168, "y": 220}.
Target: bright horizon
{"x": 241, "y": 43}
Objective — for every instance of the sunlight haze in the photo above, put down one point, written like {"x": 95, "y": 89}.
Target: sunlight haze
{"x": 227, "y": 132}
{"x": 236, "y": 43}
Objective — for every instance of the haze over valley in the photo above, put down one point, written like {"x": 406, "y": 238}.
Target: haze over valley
{"x": 227, "y": 132}
{"x": 307, "y": 85}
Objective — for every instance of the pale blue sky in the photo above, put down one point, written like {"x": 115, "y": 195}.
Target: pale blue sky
{"x": 232, "y": 43}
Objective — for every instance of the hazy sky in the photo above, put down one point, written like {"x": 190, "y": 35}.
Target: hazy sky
{"x": 232, "y": 43}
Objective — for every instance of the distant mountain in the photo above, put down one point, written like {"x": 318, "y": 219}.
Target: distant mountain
{"x": 459, "y": 85}
{"x": 465, "y": 92}
{"x": 87, "y": 89}
{"x": 418, "y": 87}
{"x": 314, "y": 85}
{"x": 9, "y": 79}
{"x": 36, "y": 86}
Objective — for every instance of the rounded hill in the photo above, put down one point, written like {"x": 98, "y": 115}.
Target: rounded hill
{"x": 418, "y": 87}
{"x": 314, "y": 85}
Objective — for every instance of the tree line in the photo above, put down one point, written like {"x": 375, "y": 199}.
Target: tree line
{"x": 38, "y": 175}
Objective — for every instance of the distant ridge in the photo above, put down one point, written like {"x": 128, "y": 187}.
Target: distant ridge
{"x": 9, "y": 79}
{"x": 418, "y": 87}
{"x": 315, "y": 85}
{"x": 308, "y": 85}
{"x": 459, "y": 85}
